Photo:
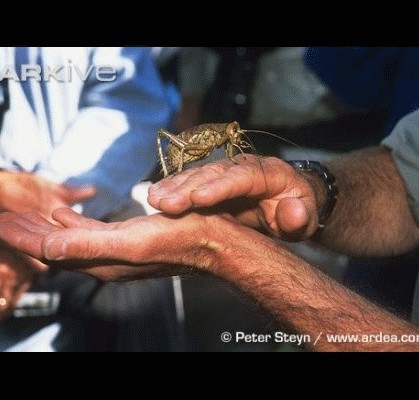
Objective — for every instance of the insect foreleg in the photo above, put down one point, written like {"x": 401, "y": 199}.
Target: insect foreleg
{"x": 246, "y": 145}
{"x": 230, "y": 151}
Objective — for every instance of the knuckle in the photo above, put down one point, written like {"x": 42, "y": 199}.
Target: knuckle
{"x": 212, "y": 169}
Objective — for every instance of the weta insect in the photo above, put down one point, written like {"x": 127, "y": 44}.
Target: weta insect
{"x": 199, "y": 142}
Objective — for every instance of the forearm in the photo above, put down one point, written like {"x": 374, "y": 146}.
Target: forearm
{"x": 372, "y": 216}
{"x": 293, "y": 291}
{"x": 305, "y": 299}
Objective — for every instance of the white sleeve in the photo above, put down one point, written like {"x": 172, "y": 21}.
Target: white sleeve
{"x": 111, "y": 143}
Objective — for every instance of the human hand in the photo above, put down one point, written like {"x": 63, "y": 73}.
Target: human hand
{"x": 120, "y": 250}
{"x": 16, "y": 275}
{"x": 23, "y": 192}
{"x": 266, "y": 192}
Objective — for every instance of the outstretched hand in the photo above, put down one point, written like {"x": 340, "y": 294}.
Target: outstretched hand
{"x": 120, "y": 250}
{"x": 267, "y": 192}
{"x": 16, "y": 274}
{"x": 24, "y": 192}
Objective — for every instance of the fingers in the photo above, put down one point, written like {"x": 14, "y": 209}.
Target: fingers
{"x": 25, "y": 232}
{"x": 34, "y": 264}
{"x": 210, "y": 185}
{"x": 15, "y": 279}
{"x": 172, "y": 193}
{"x": 73, "y": 195}
{"x": 7, "y": 284}
{"x": 285, "y": 198}
{"x": 137, "y": 240}
{"x": 81, "y": 244}
{"x": 293, "y": 218}
{"x": 70, "y": 219}
{"x": 172, "y": 181}
{"x": 83, "y": 238}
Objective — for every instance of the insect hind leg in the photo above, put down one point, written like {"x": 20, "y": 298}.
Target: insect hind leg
{"x": 173, "y": 139}
{"x": 160, "y": 134}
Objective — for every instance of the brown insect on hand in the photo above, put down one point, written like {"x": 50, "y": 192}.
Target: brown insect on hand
{"x": 197, "y": 143}
{"x": 200, "y": 141}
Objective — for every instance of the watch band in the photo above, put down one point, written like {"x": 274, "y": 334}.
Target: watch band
{"x": 329, "y": 183}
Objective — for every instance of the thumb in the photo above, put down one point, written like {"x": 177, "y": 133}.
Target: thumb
{"x": 73, "y": 194}
{"x": 34, "y": 264}
{"x": 78, "y": 244}
{"x": 296, "y": 219}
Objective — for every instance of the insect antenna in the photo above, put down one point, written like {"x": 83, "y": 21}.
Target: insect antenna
{"x": 271, "y": 134}
{"x": 248, "y": 143}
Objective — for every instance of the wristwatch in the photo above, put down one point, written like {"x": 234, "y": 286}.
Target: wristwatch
{"x": 329, "y": 182}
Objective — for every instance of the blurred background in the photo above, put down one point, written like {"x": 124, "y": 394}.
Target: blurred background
{"x": 325, "y": 100}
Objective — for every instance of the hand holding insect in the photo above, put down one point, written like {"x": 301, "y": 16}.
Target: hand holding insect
{"x": 281, "y": 199}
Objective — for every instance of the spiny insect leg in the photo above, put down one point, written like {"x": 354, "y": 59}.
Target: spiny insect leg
{"x": 230, "y": 151}
{"x": 192, "y": 147}
{"x": 161, "y": 133}
{"x": 173, "y": 139}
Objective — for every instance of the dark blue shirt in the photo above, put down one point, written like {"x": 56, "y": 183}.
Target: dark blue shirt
{"x": 370, "y": 77}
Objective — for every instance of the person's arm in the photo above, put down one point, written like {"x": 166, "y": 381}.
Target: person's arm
{"x": 297, "y": 294}
{"x": 111, "y": 144}
{"x": 308, "y": 301}
{"x": 372, "y": 216}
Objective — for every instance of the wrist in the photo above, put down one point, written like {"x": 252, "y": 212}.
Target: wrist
{"x": 216, "y": 245}
{"x": 226, "y": 248}
{"x": 318, "y": 188}
{"x": 323, "y": 184}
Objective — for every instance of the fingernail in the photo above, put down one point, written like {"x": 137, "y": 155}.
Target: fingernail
{"x": 54, "y": 250}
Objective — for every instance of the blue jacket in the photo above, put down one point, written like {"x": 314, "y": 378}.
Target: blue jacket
{"x": 79, "y": 129}
{"x": 370, "y": 77}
